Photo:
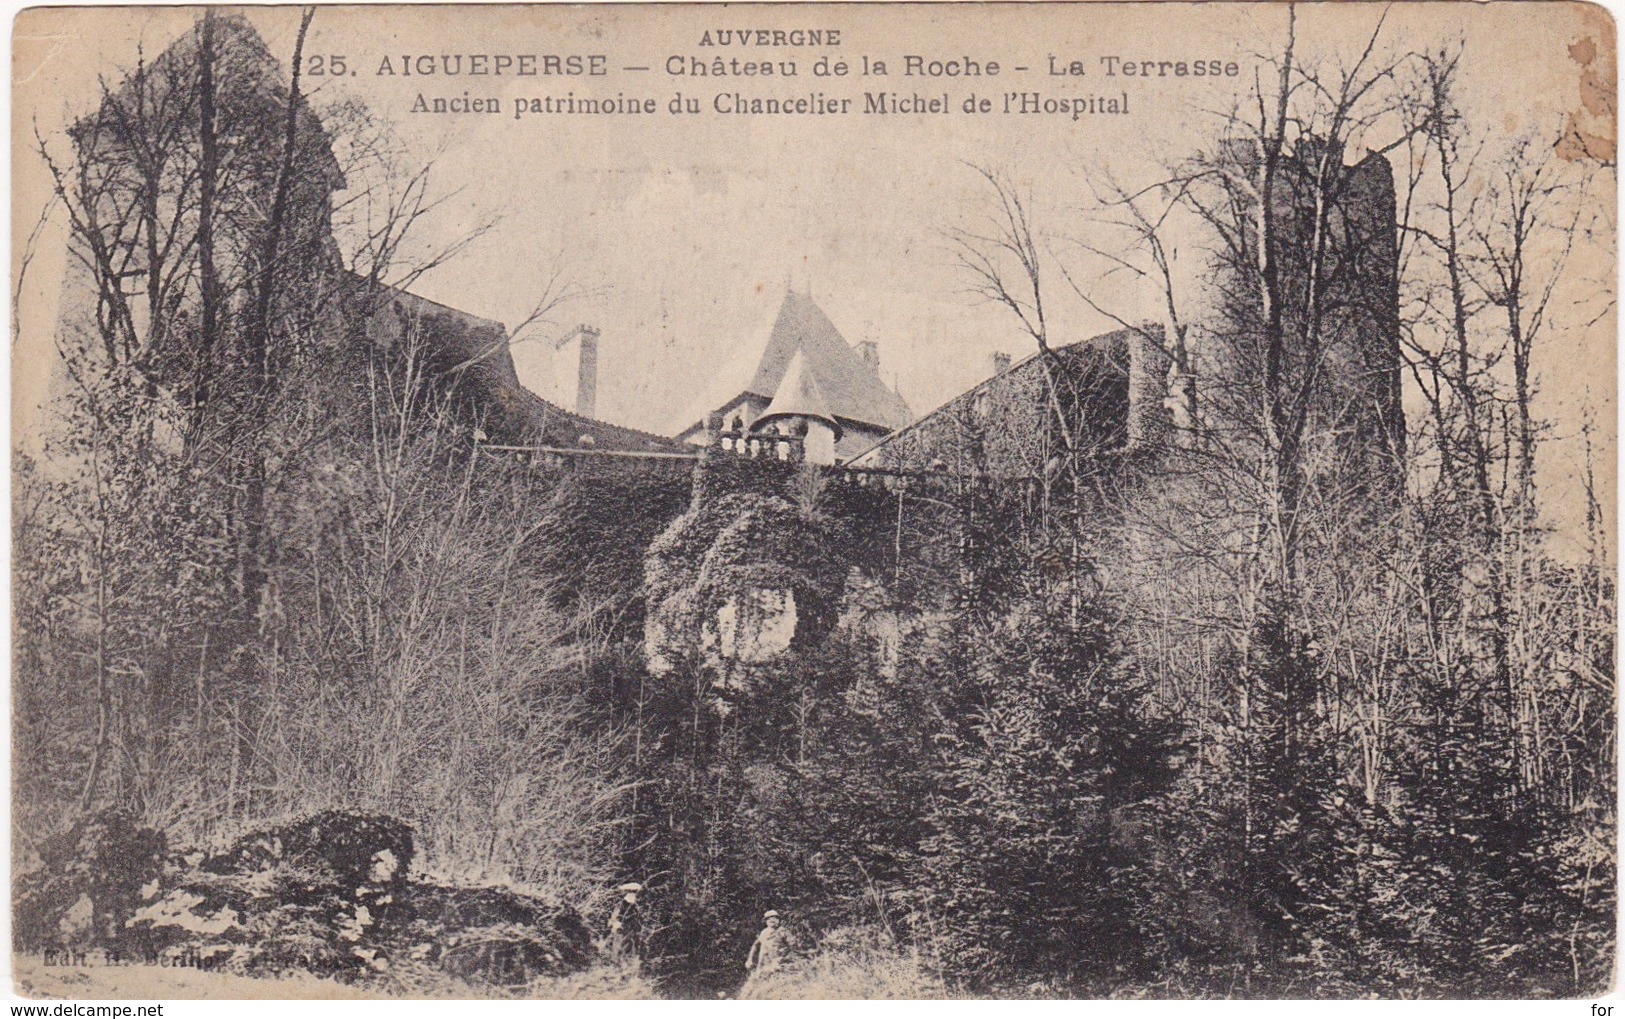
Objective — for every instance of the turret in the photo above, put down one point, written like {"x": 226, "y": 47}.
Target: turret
{"x": 799, "y": 408}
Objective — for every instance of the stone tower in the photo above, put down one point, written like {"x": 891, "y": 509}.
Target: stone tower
{"x": 1340, "y": 357}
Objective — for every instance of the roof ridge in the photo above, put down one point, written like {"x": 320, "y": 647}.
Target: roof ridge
{"x": 1017, "y": 366}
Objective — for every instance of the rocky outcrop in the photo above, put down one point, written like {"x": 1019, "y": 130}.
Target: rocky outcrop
{"x": 492, "y": 935}
{"x": 740, "y": 579}
{"x": 329, "y": 894}
{"x": 91, "y": 880}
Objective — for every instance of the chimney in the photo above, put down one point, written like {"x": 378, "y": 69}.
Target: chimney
{"x": 1001, "y": 362}
{"x": 587, "y": 376}
{"x": 869, "y": 350}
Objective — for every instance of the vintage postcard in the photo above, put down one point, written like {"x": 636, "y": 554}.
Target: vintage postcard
{"x": 1098, "y": 500}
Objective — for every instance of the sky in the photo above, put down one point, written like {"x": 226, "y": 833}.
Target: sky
{"x": 685, "y": 230}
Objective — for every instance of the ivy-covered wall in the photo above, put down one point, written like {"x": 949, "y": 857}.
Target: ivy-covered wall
{"x": 769, "y": 556}
{"x": 741, "y": 577}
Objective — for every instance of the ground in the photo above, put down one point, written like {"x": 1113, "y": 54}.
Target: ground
{"x": 33, "y": 979}
{"x": 837, "y": 974}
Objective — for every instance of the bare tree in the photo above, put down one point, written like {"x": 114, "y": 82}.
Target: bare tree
{"x": 210, "y": 305}
{"x": 1144, "y": 219}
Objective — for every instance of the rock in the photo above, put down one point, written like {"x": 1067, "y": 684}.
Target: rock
{"x": 312, "y": 894}
{"x": 90, "y": 881}
{"x": 355, "y": 856}
{"x": 491, "y": 935}
{"x": 77, "y": 924}
{"x": 326, "y": 894}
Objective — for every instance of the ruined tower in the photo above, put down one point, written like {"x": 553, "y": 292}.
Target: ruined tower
{"x": 1334, "y": 244}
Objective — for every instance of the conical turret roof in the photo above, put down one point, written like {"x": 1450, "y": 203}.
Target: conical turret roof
{"x": 799, "y": 395}
{"x": 851, "y": 388}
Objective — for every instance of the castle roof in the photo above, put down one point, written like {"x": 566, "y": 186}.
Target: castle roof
{"x": 904, "y": 444}
{"x": 799, "y": 396}
{"x": 474, "y": 352}
{"x": 850, "y": 387}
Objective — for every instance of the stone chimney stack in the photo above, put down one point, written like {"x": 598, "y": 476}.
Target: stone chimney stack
{"x": 869, "y": 350}
{"x": 1001, "y": 362}
{"x": 587, "y": 375}
{"x": 586, "y": 370}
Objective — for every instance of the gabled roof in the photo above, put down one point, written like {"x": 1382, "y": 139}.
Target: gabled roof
{"x": 1110, "y": 346}
{"x": 475, "y": 352}
{"x": 851, "y": 389}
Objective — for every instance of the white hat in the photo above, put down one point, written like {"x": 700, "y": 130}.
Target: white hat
{"x": 770, "y": 914}
{"x": 630, "y": 886}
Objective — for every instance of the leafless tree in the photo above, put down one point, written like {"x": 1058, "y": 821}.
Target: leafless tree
{"x": 1143, "y": 220}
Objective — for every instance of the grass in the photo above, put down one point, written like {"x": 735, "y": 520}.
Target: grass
{"x": 854, "y": 963}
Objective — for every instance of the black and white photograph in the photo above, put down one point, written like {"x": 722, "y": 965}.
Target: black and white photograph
{"x": 803, "y": 501}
